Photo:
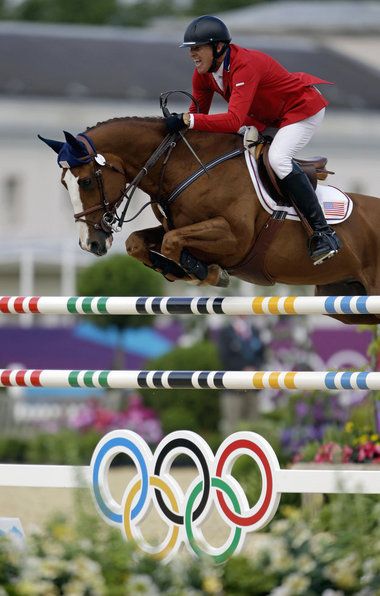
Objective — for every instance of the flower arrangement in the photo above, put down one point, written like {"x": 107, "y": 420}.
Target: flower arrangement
{"x": 322, "y": 556}
{"x": 306, "y": 418}
{"x": 352, "y": 445}
{"x": 136, "y": 417}
{"x": 92, "y": 559}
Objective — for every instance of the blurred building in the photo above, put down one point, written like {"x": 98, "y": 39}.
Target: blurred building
{"x": 55, "y": 78}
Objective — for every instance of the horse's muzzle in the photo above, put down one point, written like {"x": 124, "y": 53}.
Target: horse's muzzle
{"x": 98, "y": 246}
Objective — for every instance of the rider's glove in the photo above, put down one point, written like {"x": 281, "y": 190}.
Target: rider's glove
{"x": 174, "y": 123}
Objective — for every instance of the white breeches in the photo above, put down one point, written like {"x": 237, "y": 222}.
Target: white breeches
{"x": 291, "y": 139}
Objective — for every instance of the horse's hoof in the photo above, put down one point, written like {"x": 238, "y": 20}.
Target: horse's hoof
{"x": 224, "y": 279}
{"x": 216, "y": 276}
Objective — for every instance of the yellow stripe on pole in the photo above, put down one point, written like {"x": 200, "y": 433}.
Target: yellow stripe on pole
{"x": 257, "y": 380}
{"x": 289, "y": 305}
{"x": 273, "y": 380}
{"x": 273, "y": 305}
{"x": 290, "y": 380}
{"x": 257, "y": 305}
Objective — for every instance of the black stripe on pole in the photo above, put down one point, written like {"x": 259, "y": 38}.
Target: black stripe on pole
{"x": 141, "y": 305}
{"x": 201, "y": 305}
{"x": 180, "y": 379}
{"x": 157, "y": 378}
{"x": 156, "y": 306}
{"x": 175, "y": 305}
{"x": 217, "y": 305}
{"x": 141, "y": 378}
{"x": 218, "y": 379}
{"x": 202, "y": 379}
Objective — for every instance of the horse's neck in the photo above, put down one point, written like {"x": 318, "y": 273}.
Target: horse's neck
{"x": 133, "y": 141}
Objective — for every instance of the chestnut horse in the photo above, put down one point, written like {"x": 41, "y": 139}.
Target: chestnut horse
{"x": 215, "y": 221}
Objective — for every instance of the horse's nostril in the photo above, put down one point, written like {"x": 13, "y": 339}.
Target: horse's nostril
{"x": 97, "y": 248}
{"x": 94, "y": 246}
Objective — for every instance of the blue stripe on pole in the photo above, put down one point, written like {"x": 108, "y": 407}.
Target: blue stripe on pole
{"x": 330, "y": 304}
{"x": 361, "y": 305}
{"x": 346, "y": 380}
{"x": 346, "y": 305}
{"x": 362, "y": 380}
{"x": 330, "y": 380}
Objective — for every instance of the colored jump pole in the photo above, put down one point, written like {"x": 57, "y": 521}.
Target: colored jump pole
{"x": 171, "y": 305}
{"x": 154, "y": 379}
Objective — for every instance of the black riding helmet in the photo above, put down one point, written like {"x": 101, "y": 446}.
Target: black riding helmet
{"x": 207, "y": 30}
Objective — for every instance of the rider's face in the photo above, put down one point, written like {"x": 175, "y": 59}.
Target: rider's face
{"x": 202, "y": 57}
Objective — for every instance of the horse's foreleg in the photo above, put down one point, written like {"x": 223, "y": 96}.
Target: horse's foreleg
{"x": 139, "y": 243}
{"x": 212, "y": 238}
{"x": 145, "y": 246}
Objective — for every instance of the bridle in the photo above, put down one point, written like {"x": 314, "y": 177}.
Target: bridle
{"x": 110, "y": 221}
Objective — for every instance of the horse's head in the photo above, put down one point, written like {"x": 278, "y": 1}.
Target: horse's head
{"x": 96, "y": 187}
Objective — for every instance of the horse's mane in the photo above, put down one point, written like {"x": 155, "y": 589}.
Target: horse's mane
{"x": 123, "y": 119}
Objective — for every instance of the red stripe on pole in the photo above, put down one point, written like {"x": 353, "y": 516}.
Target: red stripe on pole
{"x": 18, "y": 304}
{"x": 4, "y": 304}
{"x": 33, "y": 304}
{"x": 35, "y": 378}
{"x": 20, "y": 378}
{"x": 5, "y": 377}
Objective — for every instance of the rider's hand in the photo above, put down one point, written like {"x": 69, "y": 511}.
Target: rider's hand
{"x": 174, "y": 123}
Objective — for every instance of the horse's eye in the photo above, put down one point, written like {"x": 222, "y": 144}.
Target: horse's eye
{"x": 85, "y": 182}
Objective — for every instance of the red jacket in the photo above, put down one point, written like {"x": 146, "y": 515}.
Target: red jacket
{"x": 258, "y": 90}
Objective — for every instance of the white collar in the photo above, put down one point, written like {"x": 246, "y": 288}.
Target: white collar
{"x": 218, "y": 76}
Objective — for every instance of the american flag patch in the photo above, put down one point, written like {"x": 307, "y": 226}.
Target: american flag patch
{"x": 334, "y": 208}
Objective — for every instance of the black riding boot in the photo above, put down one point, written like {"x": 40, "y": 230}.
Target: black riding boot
{"x": 324, "y": 242}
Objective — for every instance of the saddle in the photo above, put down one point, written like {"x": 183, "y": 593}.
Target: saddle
{"x": 314, "y": 168}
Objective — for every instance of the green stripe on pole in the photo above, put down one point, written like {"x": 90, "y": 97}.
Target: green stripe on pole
{"x": 88, "y": 378}
{"x": 73, "y": 378}
{"x": 86, "y": 305}
{"x": 103, "y": 378}
{"x": 72, "y": 305}
{"x": 102, "y": 305}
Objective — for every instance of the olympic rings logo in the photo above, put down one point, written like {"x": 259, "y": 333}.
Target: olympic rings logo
{"x": 182, "y": 511}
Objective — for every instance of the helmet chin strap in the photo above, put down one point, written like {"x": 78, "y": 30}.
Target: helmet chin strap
{"x": 215, "y": 55}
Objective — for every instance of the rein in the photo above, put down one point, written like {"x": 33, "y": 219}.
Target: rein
{"x": 111, "y": 221}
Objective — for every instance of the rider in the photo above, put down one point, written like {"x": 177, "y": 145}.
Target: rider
{"x": 259, "y": 92}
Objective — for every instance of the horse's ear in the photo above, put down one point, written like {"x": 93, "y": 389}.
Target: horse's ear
{"x": 55, "y": 145}
{"x": 78, "y": 147}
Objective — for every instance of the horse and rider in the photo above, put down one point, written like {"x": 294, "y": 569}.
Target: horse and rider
{"x": 260, "y": 92}
{"x": 197, "y": 173}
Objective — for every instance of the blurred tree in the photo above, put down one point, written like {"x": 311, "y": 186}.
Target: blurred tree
{"x": 94, "y": 12}
{"x": 135, "y": 13}
{"x": 119, "y": 275}
{"x": 193, "y": 409}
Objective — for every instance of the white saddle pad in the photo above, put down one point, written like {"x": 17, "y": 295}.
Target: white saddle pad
{"x": 336, "y": 205}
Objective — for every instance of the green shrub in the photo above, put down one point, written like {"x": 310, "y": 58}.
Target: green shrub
{"x": 196, "y": 410}
{"x": 64, "y": 447}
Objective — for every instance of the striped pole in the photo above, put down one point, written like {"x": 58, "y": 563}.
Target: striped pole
{"x": 171, "y": 305}
{"x": 154, "y": 379}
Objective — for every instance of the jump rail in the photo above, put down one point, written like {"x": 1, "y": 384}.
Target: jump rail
{"x": 287, "y": 481}
{"x": 171, "y": 305}
{"x": 154, "y": 379}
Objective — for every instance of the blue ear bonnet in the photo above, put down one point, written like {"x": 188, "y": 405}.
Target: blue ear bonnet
{"x": 74, "y": 153}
